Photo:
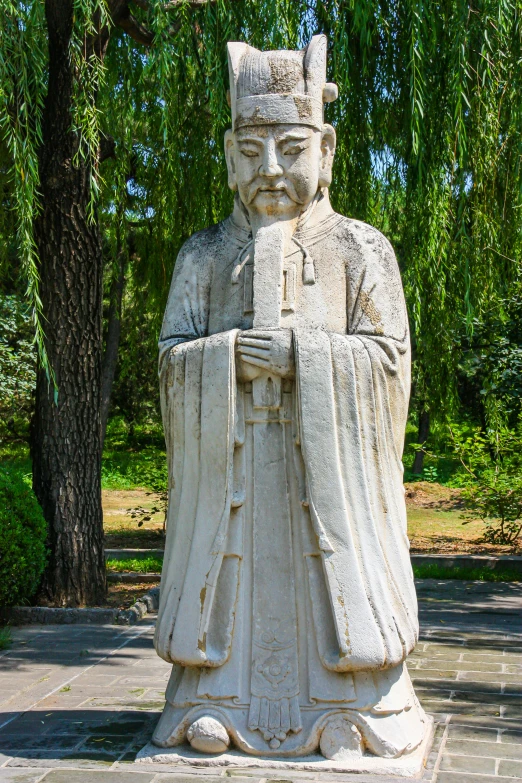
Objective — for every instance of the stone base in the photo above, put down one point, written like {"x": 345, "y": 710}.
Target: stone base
{"x": 182, "y": 756}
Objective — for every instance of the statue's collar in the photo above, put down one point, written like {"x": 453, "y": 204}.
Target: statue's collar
{"x": 315, "y": 222}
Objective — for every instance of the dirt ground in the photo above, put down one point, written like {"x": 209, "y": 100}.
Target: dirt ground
{"x": 434, "y": 522}
{"x": 121, "y": 530}
{"x": 122, "y": 596}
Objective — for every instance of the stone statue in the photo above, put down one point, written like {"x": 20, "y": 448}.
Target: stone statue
{"x": 287, "y": 598}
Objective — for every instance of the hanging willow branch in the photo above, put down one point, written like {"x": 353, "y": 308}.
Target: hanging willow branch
{"x": 429, "y": 127}
{"x": 22, "y": 81}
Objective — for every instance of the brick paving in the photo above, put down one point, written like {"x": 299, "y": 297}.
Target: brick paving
{"x": 77, "y": 702}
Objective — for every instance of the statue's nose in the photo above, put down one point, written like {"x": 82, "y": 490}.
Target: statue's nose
{"x": 270, "y": 166}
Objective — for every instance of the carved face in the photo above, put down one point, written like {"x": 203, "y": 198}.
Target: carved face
{"x": 278, "y": 169}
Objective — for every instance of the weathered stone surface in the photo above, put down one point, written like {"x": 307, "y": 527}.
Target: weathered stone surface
{"x": 512, "y": 769}
{"x": 341, "y": 740}
{"x": 38, "y": 615}
{"x": 468, "y": 764}
{"x": 207, "y": 735}
{"x": 287, "y": 599}
{"x": 90, "y": 721}
{"x": 21, "y": 776}
{"x": 77, "y": 776}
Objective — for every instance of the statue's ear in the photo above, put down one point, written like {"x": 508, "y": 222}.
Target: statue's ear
{"x": 327, "y": 156}
{"x": 231, "y": 160}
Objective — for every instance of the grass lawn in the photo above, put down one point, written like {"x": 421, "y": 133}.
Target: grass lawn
{"x": 149, "y": 565}
{"x": 435, "y": 524}
{"x": 134, "y": 467}
{"x": 5, "y": 637}
{"x": 121, "y": 529}
{"x": 434, "y": 521}
{"x": 481, "y": 574}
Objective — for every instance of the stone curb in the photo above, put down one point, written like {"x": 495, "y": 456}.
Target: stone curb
{"x": 132, "y": 577}
{"x": 46, "y": 615}
{"x": 147, "y": 603}
{"x": 133, "y": 554}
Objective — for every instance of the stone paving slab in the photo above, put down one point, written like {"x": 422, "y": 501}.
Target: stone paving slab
{"x": 78, "y": 702}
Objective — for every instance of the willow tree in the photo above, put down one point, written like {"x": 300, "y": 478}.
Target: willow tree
{"x": 429, "y": 149}
{"x": 51, "y": 76}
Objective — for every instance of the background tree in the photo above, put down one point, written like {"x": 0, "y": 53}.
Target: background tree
{"x": 429, "y": 150}
{"x": 50, "y": 95}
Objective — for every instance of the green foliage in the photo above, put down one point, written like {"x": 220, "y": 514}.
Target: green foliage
{"x": 430, "y": 473}
{"x": 479, "y": 574}
{"x": 22, "y": 538}
{"x": 17, "y": 367}
{"x": 146, "y": 469}
{"x": 134, "y": 459}
{"x": 429, "y": 129}
{"x": 129, "y": 460}
{"x": 440, "y": 463}
{"x": 492, "y": 467}
{"x": 5, "y": 637}
{"x": 491, "y": 364}
{"x": 23, "y": 62}
{"x": 135, "y": 394}
{"x": 149, "y": 565}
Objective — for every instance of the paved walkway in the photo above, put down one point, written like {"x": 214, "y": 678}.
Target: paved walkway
{"x": 78, "y": 702}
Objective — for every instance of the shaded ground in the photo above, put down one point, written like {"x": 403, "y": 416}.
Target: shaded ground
{"x": 121, "y": 596}
{"x": 434, "y": 521}
{"x": 78, "y": 702}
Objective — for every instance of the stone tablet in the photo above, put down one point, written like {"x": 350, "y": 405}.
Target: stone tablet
{"x": 287, "y": 604}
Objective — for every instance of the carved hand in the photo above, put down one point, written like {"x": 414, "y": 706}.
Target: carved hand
{"x": 270, "y": 350}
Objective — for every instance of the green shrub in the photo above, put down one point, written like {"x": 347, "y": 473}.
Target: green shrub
{"x": 5, "y": 637}
{"x": 17, "y": 367}
{"x": 22, "y": 539}
{"x": 492, "y": 463}
{"x": 134, "y": 460}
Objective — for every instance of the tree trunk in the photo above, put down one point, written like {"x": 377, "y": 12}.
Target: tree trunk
{"x": 110, "y": 358}
{"x": 424, "y": 431}
{"x": 66, "y": 433}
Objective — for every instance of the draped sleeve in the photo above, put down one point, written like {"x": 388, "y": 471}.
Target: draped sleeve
{"x": 353, "y": 393}
{"x": 186, "y": 319}
{"x": 187, "y": 312}
{"x": 197, "y": 391}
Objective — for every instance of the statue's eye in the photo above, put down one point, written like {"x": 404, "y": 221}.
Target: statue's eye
{"x": 294, "y": 149}
{"x": 249, "y": 152}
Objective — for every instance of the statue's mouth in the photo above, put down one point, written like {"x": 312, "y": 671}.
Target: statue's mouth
{"x": 273, "y": 189}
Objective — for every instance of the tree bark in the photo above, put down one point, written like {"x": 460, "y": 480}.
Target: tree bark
{"x": 110, "y": 358}
{"x": 424, "y": 431}
{"x": 66, "y": 433}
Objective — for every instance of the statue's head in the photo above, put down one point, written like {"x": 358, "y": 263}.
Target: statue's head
{"x": 279, "y": 151}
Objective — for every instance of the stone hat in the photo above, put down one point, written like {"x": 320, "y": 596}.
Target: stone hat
{"x": 267, "y": 88}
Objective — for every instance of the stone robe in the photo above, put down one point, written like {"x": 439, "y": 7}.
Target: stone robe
{"x": 287, "y": 592}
